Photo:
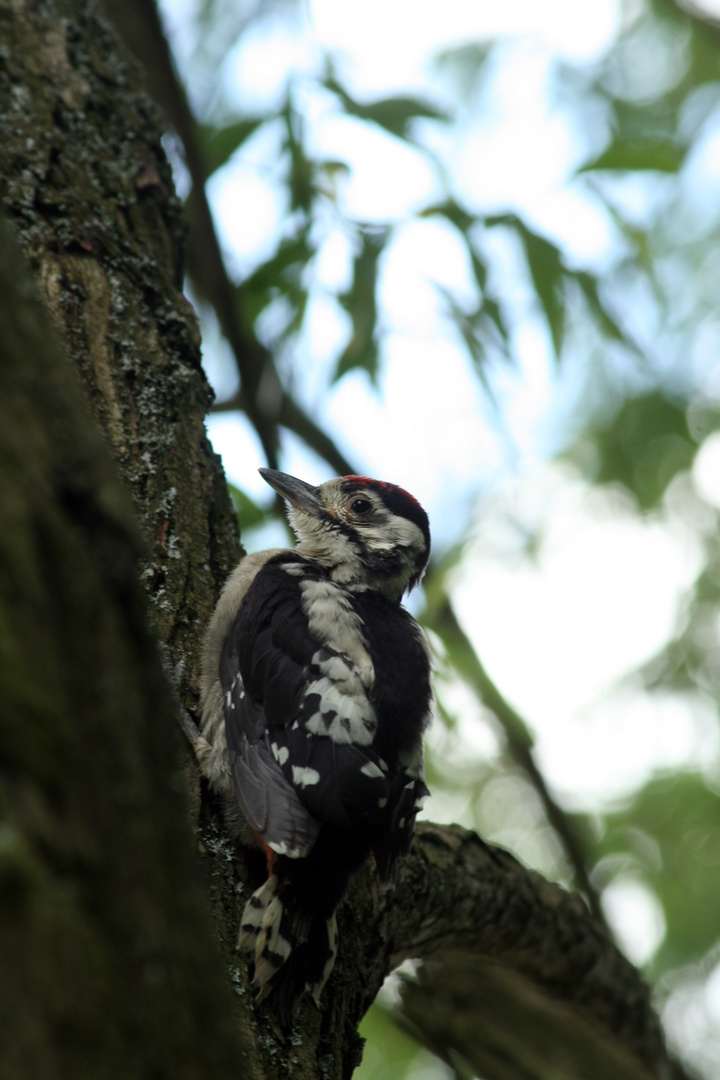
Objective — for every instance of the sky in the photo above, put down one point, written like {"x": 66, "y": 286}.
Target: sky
{"x": 560, "y": 633}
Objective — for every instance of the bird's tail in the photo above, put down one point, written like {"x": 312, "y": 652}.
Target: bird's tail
{"x": 294, "y": 949}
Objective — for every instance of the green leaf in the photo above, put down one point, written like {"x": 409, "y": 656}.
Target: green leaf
{"x": 279, "y": 275}
{"x": 482, "y": 330}
{"x": 644, "y": 447}
{"x": 493, "y": 311}
{"x": 249, "y": 514}
{"x": 454, "y": 213}
{"x": 392, "y": 114}
{"x": 332, "y": 168}
{"x": 358, "y": 354}
{"x": 607, "y": 323}
{"x": 220, "y": 143}
{"x": 359, "y": 302}
{"x": 487, "y": 320}
{"x": 546, "y": 270}
{"x": 638, "y": 155}
{"x": 678, "y": 819}
{"x": 302, "y": 183}
{"x": 299, "y": 300}
{"x": 466, "y": 64}
{"x": 545, "y": 265}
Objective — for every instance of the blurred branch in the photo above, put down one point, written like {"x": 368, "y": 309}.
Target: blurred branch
{"x": 463, "y": 1005}
{"x": 459, "y": 894}
{"x": 262, "y": 398}
{"x": 444, "y": 622}
{"x": 292, "y": 417}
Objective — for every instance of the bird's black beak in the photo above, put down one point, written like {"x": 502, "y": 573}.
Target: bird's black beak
{"x": 299, "y": 494}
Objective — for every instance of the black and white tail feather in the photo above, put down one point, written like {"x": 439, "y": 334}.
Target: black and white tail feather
{"x": 316, "y": 693}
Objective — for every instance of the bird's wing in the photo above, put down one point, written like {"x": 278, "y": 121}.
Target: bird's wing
{"x": 299, "y": 722}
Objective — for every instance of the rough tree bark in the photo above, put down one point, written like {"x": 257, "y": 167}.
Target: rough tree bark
{"x": 106, "y": 944}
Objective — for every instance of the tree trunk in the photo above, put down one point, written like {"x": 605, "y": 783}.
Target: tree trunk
{"x": 110, "y": 967}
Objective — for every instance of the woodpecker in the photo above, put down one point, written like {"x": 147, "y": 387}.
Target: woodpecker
{"x": 316, "y": 694}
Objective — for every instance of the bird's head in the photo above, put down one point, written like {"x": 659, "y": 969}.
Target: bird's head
{"x": 366, "y": 533}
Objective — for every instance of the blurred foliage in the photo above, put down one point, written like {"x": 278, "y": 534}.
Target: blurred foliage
{"x": 667, "y": 838}
{"x": 639, "y": 424}
{"x": 645, "y": 446}
{"x": 391, "y": 1053}
{"x": 219, "y": 143}
{"x": 250, "y": 515}
{"x": 359, "y": 301}
{"x": 394, "y": 114}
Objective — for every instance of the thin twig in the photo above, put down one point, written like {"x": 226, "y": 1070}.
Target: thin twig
{"x": 292, "y": 417}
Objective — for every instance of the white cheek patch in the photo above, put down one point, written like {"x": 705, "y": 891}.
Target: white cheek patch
{"x": 395, "y": 532}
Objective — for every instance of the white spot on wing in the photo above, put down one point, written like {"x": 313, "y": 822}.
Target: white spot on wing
{"x": 371, "y": 770}
{"x": 280, "y": 847}
{"x": 237, "y": 682}
{"x": 293, "y": 568}
{"x": 305, "y": 777}
{"x": 280, "y": 753}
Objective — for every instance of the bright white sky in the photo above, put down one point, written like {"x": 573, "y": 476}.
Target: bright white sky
{"x": 606, "y": 588}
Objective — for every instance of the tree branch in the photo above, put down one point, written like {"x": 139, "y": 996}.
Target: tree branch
{"x": 458, "y": 893}
{"x": 462, "y": 1006}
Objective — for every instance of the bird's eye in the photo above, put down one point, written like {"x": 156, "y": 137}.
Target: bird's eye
{"x": 360, "y": 506}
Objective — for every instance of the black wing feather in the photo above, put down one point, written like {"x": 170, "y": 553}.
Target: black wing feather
{"x": 287, "y": 780}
